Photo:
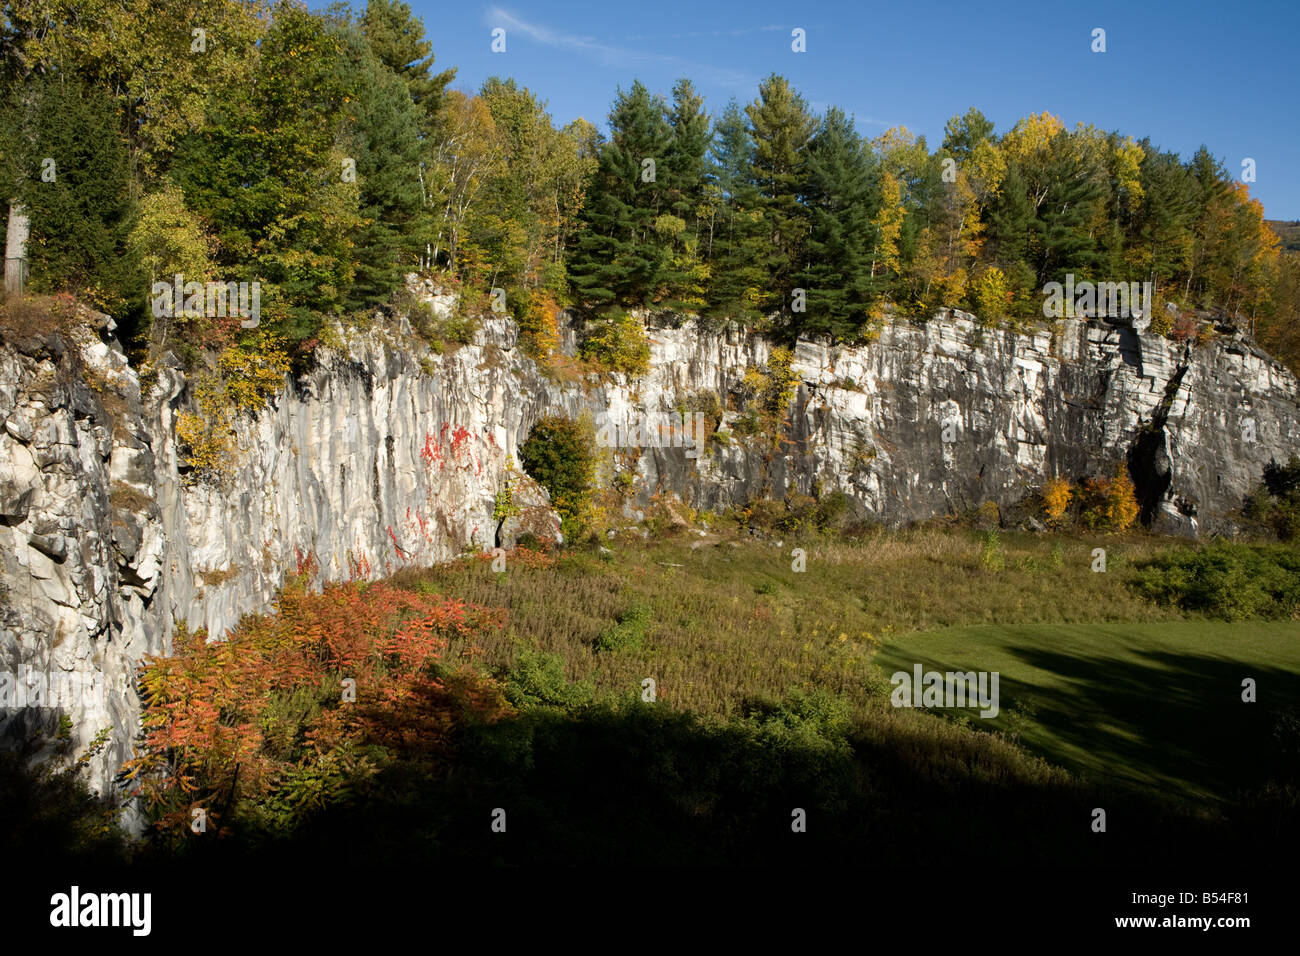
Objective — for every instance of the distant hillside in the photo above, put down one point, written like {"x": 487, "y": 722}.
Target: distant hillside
{"x": 1288, "y": 232}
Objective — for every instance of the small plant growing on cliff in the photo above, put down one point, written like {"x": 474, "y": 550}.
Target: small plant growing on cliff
{"x": 248, "y": 374}
{"x": 618, "y": 341}
{"x": 252, "y": 371}
{"x": 504, "y": 506}
{"x": 765, "y": 395}
{"x": 205, "y": 446}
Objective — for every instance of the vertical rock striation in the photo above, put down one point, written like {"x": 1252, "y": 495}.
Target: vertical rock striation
{"x": 386, "y": 455}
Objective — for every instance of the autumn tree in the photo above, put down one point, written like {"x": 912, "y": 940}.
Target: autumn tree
{"x": 267, "y": 171}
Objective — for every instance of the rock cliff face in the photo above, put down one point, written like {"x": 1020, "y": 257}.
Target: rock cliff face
{"x": 385, "y": 456}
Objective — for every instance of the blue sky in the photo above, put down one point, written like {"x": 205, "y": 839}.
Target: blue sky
{"x": 1184, "y": 73}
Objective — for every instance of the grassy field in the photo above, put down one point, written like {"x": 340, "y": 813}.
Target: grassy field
{"x": 1155, "y": 705}
{"x": 772, "y": 698}
{"x": 1094, "y": 678}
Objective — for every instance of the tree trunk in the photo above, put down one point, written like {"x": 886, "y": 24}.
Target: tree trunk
{"x": 16, "y": 249}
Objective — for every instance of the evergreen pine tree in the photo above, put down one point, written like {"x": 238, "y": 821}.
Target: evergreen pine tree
{"x": 619, "y": 257}
{"x": 396, "y": 37}
{"x": 781, "y": 126}
{"x": 738, "y": 238}
{"x": 840, "y": 191}
{"x": 74, "y": 181}
{"x": 683, "y": 182}
{"x": 384, "y": 142}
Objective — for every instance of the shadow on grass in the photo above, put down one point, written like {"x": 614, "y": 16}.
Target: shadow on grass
{"x": 1174, "y": 722}
{"x": 648, "y": 786}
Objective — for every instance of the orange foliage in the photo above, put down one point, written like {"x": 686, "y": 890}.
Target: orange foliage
{"x": 1110, "y": 503}
{"x": 540, "y": 324}
{"x": 227, "y": 723}
{"x": 1056, "y": 499}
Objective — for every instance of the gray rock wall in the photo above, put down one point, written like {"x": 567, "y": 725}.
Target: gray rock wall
{"x": 386, "y": 456}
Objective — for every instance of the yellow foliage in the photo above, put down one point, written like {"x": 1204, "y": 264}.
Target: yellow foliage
{"x": 249, "y": 373}
{"x": 1121, "y": 500}
{"x": 992, "y": 295}
{"x": 890, "y": 223}
{"x": 253, "y": 370}
{"x": 1056, "y": 499}
{"x": 206, "y": 444}
{"x": 539, "y": 322}
{"x": 1031, "y": 135}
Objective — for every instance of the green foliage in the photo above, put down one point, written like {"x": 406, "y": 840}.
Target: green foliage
{"x": 630, "y": 631}
{"x": 766, "y": 394}
{"x": 842, "y": 197}
{"x": 813, "y": 718}
{"x": 1276, "y": 501}
{"x": 396, "y": 38}
{"x": 504, "y": 505}
{"x": 537, "y": 680}
{"x": 618, "y": 256}
{"x": 781, "y": 126}
{"x": 617, "y": 340}
{"x": 992, "y": 556}
{"x": 1229, "y": 581}
{"x": 440, "y": 331}
{"x": 384, "y": 142}
{"x": 81, "y": 220}
{"x": 249, "y": 141}
{"x": 267, "y": 173}
{"x": 558, "y": 455}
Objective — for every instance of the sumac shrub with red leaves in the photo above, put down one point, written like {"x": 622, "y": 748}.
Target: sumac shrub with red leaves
{"x": 298, "y": 709}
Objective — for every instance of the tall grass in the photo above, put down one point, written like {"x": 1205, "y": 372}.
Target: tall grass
{"x": 730, "y": 621}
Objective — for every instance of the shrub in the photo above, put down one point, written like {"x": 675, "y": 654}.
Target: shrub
{"x": 440, "y": 332}
{"x": 1056, "y": 499}
{"x": 1231, "y": 581}
{"x": 41, "y": 315}
{"x": 205, "y": 447}
{"x": 1183, "y": 328}
{"x": 1109, "y": 503}
{"x": 537, "y": 680}
{"x": 630, "y": 631}
{"x": 1275, "y": 502}
{"x": 257, "y": 727}
{"x": 991, "y": 554}
{"x": 558, "y": 455}
{"x": 252, "y": 371}
{"x": 618, "y": 341}
{"x": 815, "y": 717}
{"x": 1162, "y": 323}
{"x": 248, "y": 373}
{"x": 832, "y": 510}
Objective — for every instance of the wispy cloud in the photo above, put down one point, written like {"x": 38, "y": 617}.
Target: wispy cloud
{"x": 700, "y": 34}
{"x": 609, "y": 54}
{"x": 859, "y": 120}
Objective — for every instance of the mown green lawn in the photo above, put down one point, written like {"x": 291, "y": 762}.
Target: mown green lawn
{"x": 1144, "y": 704}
